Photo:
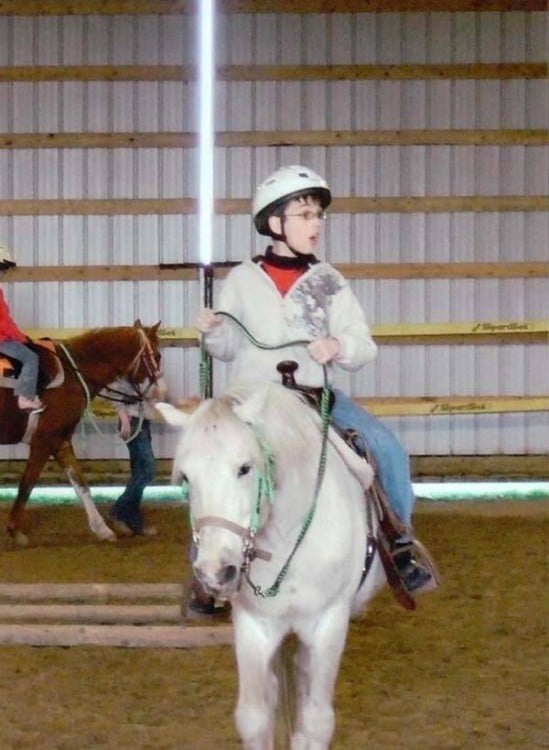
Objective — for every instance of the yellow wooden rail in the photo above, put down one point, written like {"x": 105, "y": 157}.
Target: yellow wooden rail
{"x": 532, "y": 331}
{"x": 527, "y": 137}
{"x": 161, "y": 7}
{"x": 188, "y": 73}
{"x": 510, "y": 331}
{"x": 450, "y": 405}
{"x": 234, "y": 206}
{"x": 416, "y": 405}
{"x": 189, "y": 271}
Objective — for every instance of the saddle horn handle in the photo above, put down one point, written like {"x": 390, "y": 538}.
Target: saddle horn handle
{"x": 287, "y": 368}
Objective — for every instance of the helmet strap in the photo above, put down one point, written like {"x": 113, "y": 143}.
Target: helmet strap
{"x": 282, "y": 236}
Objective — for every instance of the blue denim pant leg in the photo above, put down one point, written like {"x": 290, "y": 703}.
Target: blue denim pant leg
{"x": 392, "y": 461}
{"x": 25, "y": 385}
{"x": 142, "y": 467}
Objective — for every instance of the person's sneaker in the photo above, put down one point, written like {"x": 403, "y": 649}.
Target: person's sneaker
{"x": 127, "y": 528}
{"x": 146, "y": 531}
{"x": 30, "y": 405}
{"x": 120, "y": 528}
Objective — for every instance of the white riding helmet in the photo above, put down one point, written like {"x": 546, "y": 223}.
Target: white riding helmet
{"x": 5, "y": 256}
{"x": 284, "y": 185}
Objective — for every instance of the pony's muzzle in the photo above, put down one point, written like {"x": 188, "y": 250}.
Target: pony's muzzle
{"x": 217, "y": 576}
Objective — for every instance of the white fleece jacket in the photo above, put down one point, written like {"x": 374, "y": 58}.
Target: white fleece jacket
{"x": 319, "y": 304}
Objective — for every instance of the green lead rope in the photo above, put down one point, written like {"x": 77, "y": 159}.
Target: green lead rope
{"x": 205, "y": 359}
{"x": 275, "y": 587}
{"x": 205, "y": 386}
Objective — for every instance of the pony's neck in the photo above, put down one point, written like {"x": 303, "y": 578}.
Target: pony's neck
{"x": 296, "y": 447}
{"x": 104, "y": 355}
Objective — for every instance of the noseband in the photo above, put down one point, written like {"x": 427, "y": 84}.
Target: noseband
{"x": 249, "y": 550}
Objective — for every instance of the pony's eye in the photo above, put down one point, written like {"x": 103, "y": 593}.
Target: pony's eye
{"x": 244, "y": 469}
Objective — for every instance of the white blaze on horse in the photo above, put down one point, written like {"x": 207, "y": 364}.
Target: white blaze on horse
{"x": 283, "y": 535}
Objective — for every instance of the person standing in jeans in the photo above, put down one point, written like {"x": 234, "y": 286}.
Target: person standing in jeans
{"x": 134, "y": 417}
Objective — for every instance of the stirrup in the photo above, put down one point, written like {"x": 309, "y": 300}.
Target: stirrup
{"x": 416, "y": 554}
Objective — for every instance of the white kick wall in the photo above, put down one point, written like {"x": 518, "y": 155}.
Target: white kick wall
{"x": 171, "y": 106}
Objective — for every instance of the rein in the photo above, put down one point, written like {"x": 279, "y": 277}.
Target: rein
{"x": 119, "y": 397}
{"x": 248, "y": 535}
{"x": 87, "y": 414}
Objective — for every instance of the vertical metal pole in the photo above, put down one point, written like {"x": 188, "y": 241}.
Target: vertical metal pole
{"x": 207, "y": 291}
{"x": 206, "y": 139}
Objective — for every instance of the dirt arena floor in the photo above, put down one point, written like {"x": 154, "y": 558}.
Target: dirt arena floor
{"x": 467, "y": 670}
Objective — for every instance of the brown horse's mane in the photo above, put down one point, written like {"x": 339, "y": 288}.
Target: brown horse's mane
{"x": 97, "y": 339}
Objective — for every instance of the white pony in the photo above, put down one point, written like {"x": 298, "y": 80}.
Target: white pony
{"x": 280, "y": 528}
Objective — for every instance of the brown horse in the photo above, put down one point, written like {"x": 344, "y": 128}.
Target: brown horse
{"x": 89, "y": 363}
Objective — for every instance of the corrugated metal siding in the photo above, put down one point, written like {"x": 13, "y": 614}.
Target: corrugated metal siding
{"x": 369, "y": 171}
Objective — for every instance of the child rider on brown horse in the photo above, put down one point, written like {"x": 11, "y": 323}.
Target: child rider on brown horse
{"x": 13, "y": 344}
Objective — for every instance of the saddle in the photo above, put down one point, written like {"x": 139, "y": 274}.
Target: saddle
{"x": 50, "y": 371}
{"x": 390, "y": 527}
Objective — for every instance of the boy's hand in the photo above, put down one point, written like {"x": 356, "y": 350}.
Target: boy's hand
{"x": 324, "y": 350}
{"x": 207, "y": 320}
{"x": 124, "y": 429}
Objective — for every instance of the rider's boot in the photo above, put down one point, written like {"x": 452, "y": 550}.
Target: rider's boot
{"x": 415, "y": 575}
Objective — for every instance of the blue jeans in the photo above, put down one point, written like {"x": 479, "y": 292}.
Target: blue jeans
{"x": 25, "y": 385}
{"x": 142, "y": 466}
{"x": 392, "y": 461}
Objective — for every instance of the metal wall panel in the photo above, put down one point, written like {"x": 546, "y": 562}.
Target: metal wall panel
{"x": 261, "y": 39}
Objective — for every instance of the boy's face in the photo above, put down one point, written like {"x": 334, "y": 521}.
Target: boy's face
{"x": 301, "y": 224}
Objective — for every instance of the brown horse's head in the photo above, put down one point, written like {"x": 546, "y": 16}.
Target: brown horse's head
{"x": 147, "y": 364}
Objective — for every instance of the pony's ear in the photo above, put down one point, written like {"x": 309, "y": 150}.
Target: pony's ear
{"x": 155, "y": 327}
{"x": 137, "y": 323}
{"x": 171, "y": 415}
{"x": 250, "y": 409}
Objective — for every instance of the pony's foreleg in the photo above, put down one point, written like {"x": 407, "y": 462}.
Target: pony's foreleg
{"x": 36, "y": 461}
{"x": 67, "y": 460}
{"x": 317, "y": 665}
{"x": 258, "y": 687}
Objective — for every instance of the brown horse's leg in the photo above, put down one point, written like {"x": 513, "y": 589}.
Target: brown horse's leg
{"x": 67, "y": 460}
{"x": 36, "y": 461}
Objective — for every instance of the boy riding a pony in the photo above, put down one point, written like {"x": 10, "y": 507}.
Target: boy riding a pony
{"x": 289, "y": 295}
{"x": 13, "y": 344}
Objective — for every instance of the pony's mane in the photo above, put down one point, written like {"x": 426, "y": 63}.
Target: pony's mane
{"x": 94, "y": 343}
{"x": 291, "y": 426}
{"x": 95, "y": 334}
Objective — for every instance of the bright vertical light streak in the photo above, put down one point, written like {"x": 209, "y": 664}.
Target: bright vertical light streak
{"x": 206, "y": 130}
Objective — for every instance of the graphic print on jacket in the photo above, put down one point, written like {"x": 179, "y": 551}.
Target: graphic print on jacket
{"x": 313, "y": 298}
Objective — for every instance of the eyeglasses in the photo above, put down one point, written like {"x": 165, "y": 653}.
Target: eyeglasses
{"x": 310, "y": 215}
